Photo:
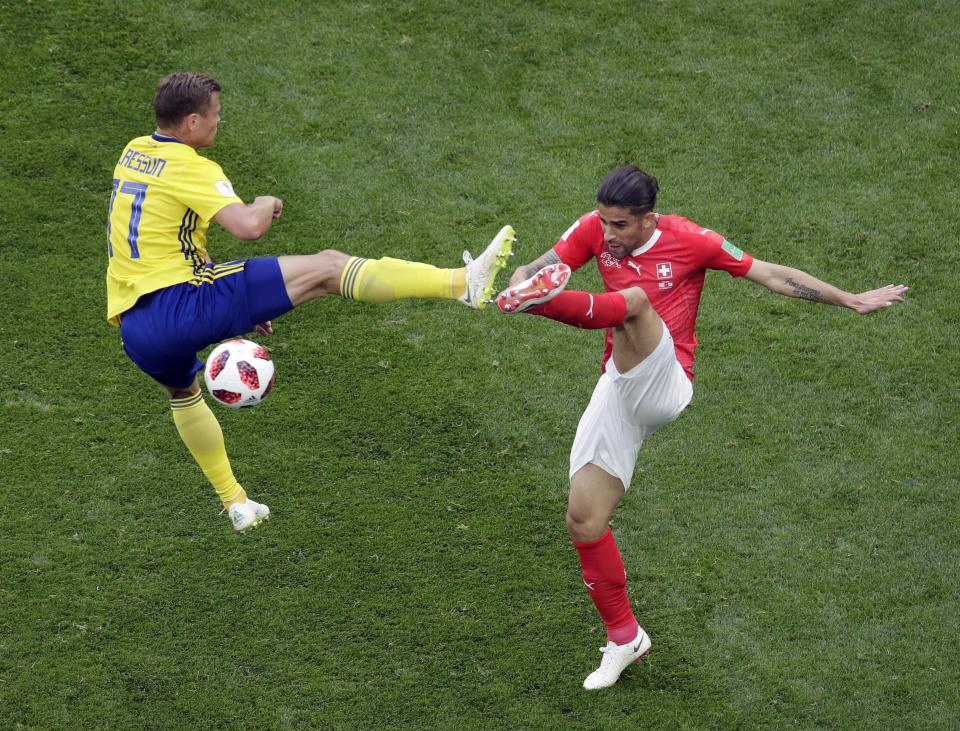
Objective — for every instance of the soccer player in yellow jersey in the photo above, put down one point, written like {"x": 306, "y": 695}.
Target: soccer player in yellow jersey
{"x": 169, "y": 299}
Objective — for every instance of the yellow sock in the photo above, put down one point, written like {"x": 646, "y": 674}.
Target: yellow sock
{"x": 203, "y": 436}
{"x": 458, "y": 282}
{"x": 388, "y": 280}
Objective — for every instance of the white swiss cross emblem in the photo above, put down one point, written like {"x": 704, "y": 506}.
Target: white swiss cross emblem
{"x": 665, "y": 275}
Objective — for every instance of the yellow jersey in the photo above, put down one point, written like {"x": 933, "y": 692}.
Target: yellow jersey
{"x": 164, "y": 197}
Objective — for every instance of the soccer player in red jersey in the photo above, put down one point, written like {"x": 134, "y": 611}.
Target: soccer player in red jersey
{"x": 653, "y": 267}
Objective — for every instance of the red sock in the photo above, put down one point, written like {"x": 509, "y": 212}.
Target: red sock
{"x": 585, "y": 309}
{"x": 606, "y": 579}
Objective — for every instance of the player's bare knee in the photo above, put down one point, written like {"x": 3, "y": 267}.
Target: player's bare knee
{"x": 326, "y": 268}
{"x": 638, "y": 303}
{"x": 329, "y": 263}
{"x": 583, "y": 526}
{"x": 641, "y": 326}
{"x": 574, "y": 524}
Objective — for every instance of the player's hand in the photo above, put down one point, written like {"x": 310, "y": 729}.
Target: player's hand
{"x": 271, "y": 202}
{"x": 878, "y": 299}
{"x": 264, "y": 328}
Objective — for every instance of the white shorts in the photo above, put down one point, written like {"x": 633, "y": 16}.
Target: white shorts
{"x": 626, "y": 407}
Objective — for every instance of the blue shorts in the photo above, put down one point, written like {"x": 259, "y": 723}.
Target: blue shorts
{"x": 164, "y": 330}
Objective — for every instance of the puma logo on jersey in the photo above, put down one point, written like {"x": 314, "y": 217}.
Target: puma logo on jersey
{"x": 636, "y": 267}
{"x": 590, "y": 311}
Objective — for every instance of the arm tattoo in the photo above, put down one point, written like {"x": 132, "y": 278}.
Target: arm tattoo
{"x": 535, "y": 266}
{"x": 804, "y": 292}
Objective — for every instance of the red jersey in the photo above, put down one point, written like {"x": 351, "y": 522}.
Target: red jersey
{"x": 670, "y": 268}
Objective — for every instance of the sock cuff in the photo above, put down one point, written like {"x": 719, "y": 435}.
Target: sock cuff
{"x": 608, "y": 535}
{"x": 619, "y": 304}
{"x": 187, "y": 402}
{"x": 350, "y": 276}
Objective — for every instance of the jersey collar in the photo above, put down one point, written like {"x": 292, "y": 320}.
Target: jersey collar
{"x": 161, "y": 138}
{"x": 647, "y": 246}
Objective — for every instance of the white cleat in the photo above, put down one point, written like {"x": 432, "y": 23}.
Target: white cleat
{"x": 541, "y": 287}
{"x": 616, "y": 658}
{"x": 248, "y": 514}
{"x": 482, "y": 271}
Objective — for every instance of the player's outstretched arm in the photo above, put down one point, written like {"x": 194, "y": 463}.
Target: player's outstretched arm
{"x": 528, "y": 270}
{"x": 792, "y": 282}
{"x": 248, "y": 222}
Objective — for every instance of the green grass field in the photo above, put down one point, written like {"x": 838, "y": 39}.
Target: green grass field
{"x": 791, "y": 541}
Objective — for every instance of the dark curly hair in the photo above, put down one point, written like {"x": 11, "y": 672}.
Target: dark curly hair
{"x": 629, "y": 187}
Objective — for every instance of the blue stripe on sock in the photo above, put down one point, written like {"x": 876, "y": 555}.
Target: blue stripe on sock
{"x": 350, "y": 277}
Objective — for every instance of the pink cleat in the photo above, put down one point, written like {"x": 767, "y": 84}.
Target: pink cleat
{"x": 541, "y": 287}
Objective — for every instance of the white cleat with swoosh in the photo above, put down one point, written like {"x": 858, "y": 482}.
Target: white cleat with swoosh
{"x": 482, "y": 271}
{"x": 616, "y": 658}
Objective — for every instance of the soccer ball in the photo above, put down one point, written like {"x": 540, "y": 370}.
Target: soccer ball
{"x": 239, "y": 373}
